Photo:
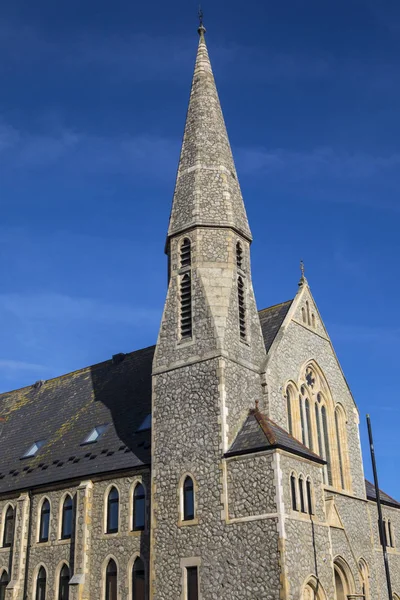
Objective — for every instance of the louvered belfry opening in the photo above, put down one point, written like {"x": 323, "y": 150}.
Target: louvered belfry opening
{"x": 242, "y": 308}
{"x": 239, "y": 256}
{"x": 186, "y": 256}
{"x": 186, "y": 306}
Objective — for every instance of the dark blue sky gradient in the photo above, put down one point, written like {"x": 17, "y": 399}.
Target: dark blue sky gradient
{"x": 92, "y": 107}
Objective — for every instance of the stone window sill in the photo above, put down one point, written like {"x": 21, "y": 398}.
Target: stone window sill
{"x": 188, "y": 523}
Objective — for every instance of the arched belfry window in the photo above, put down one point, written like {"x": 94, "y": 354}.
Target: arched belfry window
{"x": 186, "y": 306}
{"x": 113, "y": 511}
{"x": 186, "y": 253}
{"x": 9, "y": 527}
{"x": 63, "y": 584}
{"x": 111, "y": 581}
{"x": 66, "y": 518}
{"x": 4, "y": 581}
{"x": 242, "y": 308}
{"x": 138, "y": 580}
{"x": 188, "y": 499}
{"x": 41, "y": 584}
{"x": 44, "y": 522}
{"x": 239, "y": 256}
{"x": 139, "y": 508}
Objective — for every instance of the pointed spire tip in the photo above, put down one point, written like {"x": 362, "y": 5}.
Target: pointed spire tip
{"x": 303, "y": 279}
{"x": 202, "y": 30}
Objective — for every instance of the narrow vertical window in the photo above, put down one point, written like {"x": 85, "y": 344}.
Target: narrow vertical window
{"x": 239, "y": 256}
{"x": 192, "y": 583}
{"x": 242, "y": 308}
{"x": 63, "y": 585}
{"x": 138, "y": 580}
{"x": 111, "y": 581}
{"x": 289, "y": 410}
{"x": 382, "y": 532}
{"x": 326, "y": 444}
{"x": 41, "y": 582}
{"x": 66, "y": 519}
{"x": 188, "y": 499}
{"x": 139, "y": 508}
{"x": 390, "y": 534}
{"x": 8, "y": 528}
{"x": 44, "y": 522}
{"x": 113, "y": 511}
{"x": 3, "y": 585}
{"x": 293, "y": 491}
{"x": 303, "y": 432}
{"x": 186, "y": 306}
{"x": 303, "y": 314}
{"x": 308, "y": 419}
{"x": 309, "y": 498}
{"x": 301, "y": 491}
{"x": 339, "y": 448}
{"x": 186, "y": 253}
{"x": 320, "y": 452}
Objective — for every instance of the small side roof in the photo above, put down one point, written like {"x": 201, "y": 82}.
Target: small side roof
{"x": 385, "y": 498}
{"x": 271, "y": 320}
{"x": 259, "y": 433}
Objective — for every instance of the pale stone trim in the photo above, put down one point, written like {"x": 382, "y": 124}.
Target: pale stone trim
{"x": 181, "y": 521}
{"x": 104, "y": 575}
{"x": 220, "y": 353}
{"x": 105, "y": 508}
{"x": 60, "y": 515}
{"x": 39, "y": 520}
{"x": 279, "y": 496}
{"x": 57, "y": 574}
{"x": 35, "y": 576}
{"x": 129, "y": 569}
{"x": 194, "y": 561}
{"x": 313, "y": 584}
{"x": 3, "y": 522}
{"x": 260, "y": 517}
{"x": 341, "y": 566}
{"x": 137, "y": 480}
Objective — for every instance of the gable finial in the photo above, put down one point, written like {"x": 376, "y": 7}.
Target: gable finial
{"x": 202, "y": 30}
{"x": 303, "y": 279}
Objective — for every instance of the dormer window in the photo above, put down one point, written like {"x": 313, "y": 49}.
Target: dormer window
{"x": 95, "y": 434}
{"x": 34, "y": 449}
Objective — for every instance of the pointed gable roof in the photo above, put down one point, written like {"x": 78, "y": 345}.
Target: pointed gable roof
{"x": 207, "y": 191}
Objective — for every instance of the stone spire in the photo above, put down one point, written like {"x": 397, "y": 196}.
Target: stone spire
{"x": 207, "y": 191}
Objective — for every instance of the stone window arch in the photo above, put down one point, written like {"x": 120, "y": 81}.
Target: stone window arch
{"x": 8, "y": 519}
{"x": 188, "y": 499}
{"x": 139, "y": 507}
{"x": 344, "y": 580}
{"x": 364, "y": 578}
{"x": 112, "y": 507}
{"x": 290, "y": 395}
{"x": 138, "y": 580}
{"x": 293, "y": 491}
{"x": 62, "y": 582}
{"x": 44, "y": 520}
{"x": 343, "y": 477}
{"x": 4, "y": 581}
{"x": 110, "y": 579}
{"x": 313, "y": 590}
{"x": 40, "y": 583}
{"x": 302, "y": 494}
{"x": 66, "y": 517}
{"x": 303, "y": 314}
{"x": 310, "y": 496}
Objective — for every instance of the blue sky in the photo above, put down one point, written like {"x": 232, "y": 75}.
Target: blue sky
{"x": 92, "y": 107}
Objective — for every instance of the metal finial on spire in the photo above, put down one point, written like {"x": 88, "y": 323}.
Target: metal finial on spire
{"x": 201, "y": 28}
{"x": 303, "y": 277}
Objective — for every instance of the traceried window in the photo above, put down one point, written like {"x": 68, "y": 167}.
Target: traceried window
{"x": 113, "y": 511}
{"x": 4, "y": 581}
{"x": 303, "y": 429}
{"x": 41, "y": 583}
{"x": 44, "y": 522}
{"x": 138, "y": 580}
{"x": 188, "y": 499}
{"x": 111, "y": 581}
{"x": 9, "y": 527}
{"x": 66, "y": 518}
{"x": 289, "y": 410}
{"x": 139, "y": 508}
{"x": 63, "y": 584}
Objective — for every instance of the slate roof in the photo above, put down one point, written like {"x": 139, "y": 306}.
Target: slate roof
{"x": 261, "y": 433}
{"x": 271, "y": 319}
{"x": 385, "y": 498}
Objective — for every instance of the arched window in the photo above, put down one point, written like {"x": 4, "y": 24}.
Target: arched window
{"x": 242, "y": 308}
{"x": 66, "y": 518}
{"x": 303, "y": 315}
{"x": 239, "y": 256}
{"x": 303, "y": 429}
{"x": 318, "y": 422}
{"x": 186, "y": 253}
{"x": 41, "y": 584}
{"x": 364, "y": 579}
{"x": 4, "y": 581}
{"x": 289, "y": 410}
{"x": 188, "y": 499}
{"x": 113, "y": 511}
{"x": 63, "y": 584}
{"x": 8, "y": 528}
{"x": 111, "y": 581}
{"x": 293, "y": 492}
{"x": 186, "y": 306}
{"x": 313, "y": 320}
{"x": 326, "y": 444}
{"x": 309, "y": 497}
{"x": 44, "y": 521}
{"x": 139, "y": 508}
{"x": 301, "y": 492}
{"x": 308, "y": 420}
{"x": 339, "y": 447}
{"x": 138, "y": 580}
{"x": 390, "y": 534}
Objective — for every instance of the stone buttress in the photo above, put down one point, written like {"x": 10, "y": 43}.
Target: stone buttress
{"x": 206, "y": 369}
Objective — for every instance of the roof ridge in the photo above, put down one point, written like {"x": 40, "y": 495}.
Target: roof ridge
{"x": 381, "y": 491}
{"x": 275, "y": 305}
{"x": 262, "y": 421}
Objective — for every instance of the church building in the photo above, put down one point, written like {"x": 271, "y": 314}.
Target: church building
{"x": 223, "y": 463}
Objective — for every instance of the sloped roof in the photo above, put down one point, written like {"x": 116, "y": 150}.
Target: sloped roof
{"x": 385, "y": 498}
{"x": 271, "y": 320}
{"x": 261, "y": 433}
